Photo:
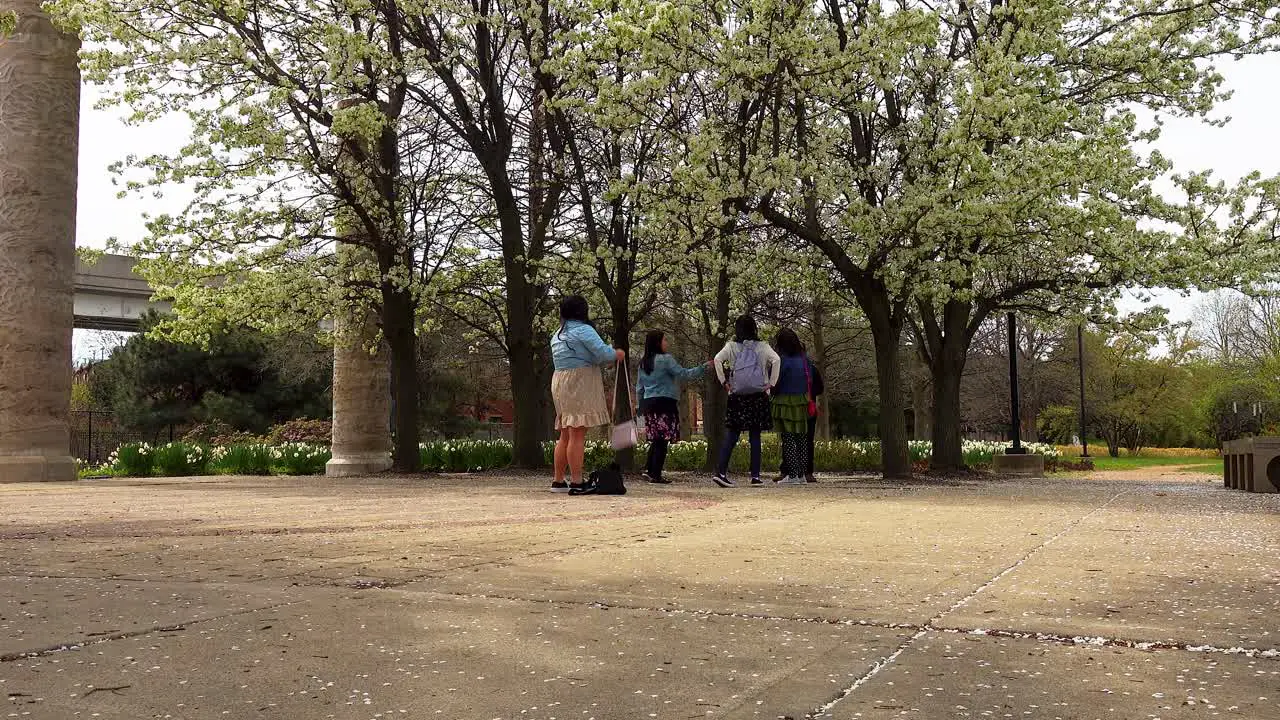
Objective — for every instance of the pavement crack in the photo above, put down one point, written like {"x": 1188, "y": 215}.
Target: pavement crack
{"x": 931, "y": 625}
{"x": 113, "y": 690}
{"x": 174, "y": 627}
{"x": 917, "y": 629}
{"x": 601, "y": 605}
{"x": 1100, "y": 641}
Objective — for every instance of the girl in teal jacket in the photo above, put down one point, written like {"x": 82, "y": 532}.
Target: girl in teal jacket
{"x": 658, "y": 391}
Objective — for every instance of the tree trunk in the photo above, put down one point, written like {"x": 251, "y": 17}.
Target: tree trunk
{"x": 823, "y": 429}
{"x": 528, "y": 376}
{"x": 947, "y": 340}
{"x": 686, "y": 414}
{"x": 398, "y": 316}
{"x": 1029, "y": 392}
{"x": 921, "y": 399}
{"x": 895, "y": 458}
{"x": 886, "y": 331}
{"x": 714, "y": 407}
{"x": 622, "y": 410}
{"x": 1111, "y": 433}
{"x": 1133, "y": 440}
{"x": 526, "y": 352}
{"x": 715, "y": 402}
{"x": 543, "y": 365}
{"x": 526, "y": 394}
{"x": 947, "y": 451}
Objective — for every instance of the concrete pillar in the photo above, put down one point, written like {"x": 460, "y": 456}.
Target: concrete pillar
{"x": 39, "y": 144}
{"x": 361, "y": 391}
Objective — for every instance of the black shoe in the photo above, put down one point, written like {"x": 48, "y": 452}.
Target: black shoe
{"x": 810, "y": 478}
{"x": 657, "y": 481}
{"x": 756, "y": 481}
{"x": 559, "y": 487}
{"x": 722, "y": 481}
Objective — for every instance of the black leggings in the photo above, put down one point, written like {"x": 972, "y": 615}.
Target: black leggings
{"x": 657, "y": 458}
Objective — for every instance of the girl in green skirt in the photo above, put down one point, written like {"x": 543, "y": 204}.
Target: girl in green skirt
{"x": 793, "y": 406}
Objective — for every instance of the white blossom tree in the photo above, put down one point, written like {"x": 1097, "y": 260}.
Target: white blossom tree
{"x": 951, "y": 160}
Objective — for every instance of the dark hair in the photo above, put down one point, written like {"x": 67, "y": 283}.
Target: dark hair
{"x": 652, "y": 349}
{"x": 744, "y": 329}
{"x": 788, "y": 343}
{"x": 574, "y": 307}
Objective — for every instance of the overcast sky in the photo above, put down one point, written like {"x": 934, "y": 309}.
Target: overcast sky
{"x": 1247, "y": 143}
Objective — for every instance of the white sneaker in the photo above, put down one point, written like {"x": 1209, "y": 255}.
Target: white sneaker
{"x": 790, "y": 480}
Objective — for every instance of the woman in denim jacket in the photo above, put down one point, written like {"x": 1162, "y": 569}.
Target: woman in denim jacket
{"x": 577, "y": 387}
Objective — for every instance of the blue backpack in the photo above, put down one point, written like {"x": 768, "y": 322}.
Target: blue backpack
{"x": 748, "y": 375}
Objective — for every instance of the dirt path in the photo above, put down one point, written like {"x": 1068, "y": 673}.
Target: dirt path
{"x": 1157, "y": 473}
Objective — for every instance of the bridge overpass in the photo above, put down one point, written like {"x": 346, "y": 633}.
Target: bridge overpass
{"x": 110, "y": 295}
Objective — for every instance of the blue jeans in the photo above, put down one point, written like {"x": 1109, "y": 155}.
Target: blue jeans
{"x": 731, "y": 439}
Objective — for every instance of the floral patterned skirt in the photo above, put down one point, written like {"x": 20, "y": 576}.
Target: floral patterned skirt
{"x": 749, "y": 412}
{"x": 661, "y": 419}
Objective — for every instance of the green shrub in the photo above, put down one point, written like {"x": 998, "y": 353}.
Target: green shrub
{"x": 688, "y": 456}
{"x": 180, "y": 459}
{"x": 597, "y": 454}
{"x": 133, "y": 460}
{"x": 245, "y": 459}
{"x": 311, "y": 432}
{"x": 215, "y": 433}
{"x": 465, "y": 455}
{"x": 301, "y": 458}
{"x": 829, "y": 455}
{"x": 86, "y": 471}
{"x": 846, "y": 456}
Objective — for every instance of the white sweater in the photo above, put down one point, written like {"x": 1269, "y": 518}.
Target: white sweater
{"x": 771, "y": 363}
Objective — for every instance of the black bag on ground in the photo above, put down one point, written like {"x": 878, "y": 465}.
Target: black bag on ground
{"x": 605, "y": 481}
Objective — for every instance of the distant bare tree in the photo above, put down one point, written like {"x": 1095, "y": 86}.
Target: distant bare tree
{"x": 1233, "y": 328}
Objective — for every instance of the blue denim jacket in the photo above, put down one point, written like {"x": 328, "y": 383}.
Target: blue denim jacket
{"x": 666, "y": 376}
{"x": 578, "y": 345}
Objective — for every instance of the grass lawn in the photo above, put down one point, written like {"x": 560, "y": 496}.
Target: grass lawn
{"x": 1194, "y": 464}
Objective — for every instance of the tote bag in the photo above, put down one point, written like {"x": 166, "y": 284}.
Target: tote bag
{"x": 624, "y": 434}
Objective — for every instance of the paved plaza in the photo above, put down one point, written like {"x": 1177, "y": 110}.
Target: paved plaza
{"x": 487, "y": 597}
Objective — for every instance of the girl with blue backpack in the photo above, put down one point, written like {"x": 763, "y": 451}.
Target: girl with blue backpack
{"x": 748, "y": 369}
{"x": 658, "y": 391}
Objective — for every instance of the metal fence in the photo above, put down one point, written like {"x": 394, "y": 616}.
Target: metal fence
{"x": 494, "y": 431}
{"x": 95, "y": 435}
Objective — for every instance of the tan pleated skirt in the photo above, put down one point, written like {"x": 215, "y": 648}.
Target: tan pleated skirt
{"x": 579, "y": 398}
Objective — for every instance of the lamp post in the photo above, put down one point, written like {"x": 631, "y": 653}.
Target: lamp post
{"x": 1014, "y": 414}
{"x": 1084, "y": 434}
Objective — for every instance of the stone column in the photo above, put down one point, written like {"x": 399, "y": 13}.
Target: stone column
{"x": 39, "y": 144}
{"x": 361, "y": 391}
